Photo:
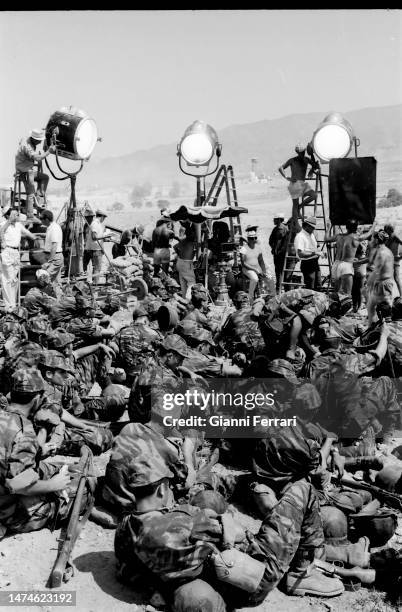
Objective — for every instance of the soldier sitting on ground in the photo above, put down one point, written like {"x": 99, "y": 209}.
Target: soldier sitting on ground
{"x": 30, "y": 489}
{"x": 174, "y": 543}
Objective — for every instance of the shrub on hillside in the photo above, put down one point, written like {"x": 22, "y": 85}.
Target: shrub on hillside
{"x": 393, "y": 198}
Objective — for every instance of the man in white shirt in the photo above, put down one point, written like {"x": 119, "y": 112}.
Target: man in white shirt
{"x": 253, "y": 260}
{"x": 307, "y": 251}
{"x": 11, "y": 231}
{"x": 53, "y": 246}
{"x": 96, "y": 235}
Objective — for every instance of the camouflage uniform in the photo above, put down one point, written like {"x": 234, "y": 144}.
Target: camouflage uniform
{"x": 136, "y": 342}
{"x": 136, "y": 440}
{"x": 306, "y": 303}
{"x": 20, "y": 467}
{"x": 174, "y": 545}
{"x": 241, "y": 332}
{"x": 39, "y": 301}
{"x": 155, "y": 379}
{"x": 349, "y": 401}
{"x": 54, "y": 401}
{"x": 19, "y": 353}
{"x": 85, "y": 330}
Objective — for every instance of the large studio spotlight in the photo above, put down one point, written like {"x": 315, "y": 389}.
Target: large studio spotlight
{"x": 73, "y": 132}
{"x": 197, "y": 147}
{"x": 333, "y": 138}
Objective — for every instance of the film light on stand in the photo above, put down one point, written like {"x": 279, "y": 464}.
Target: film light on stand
{"x": 197, "y": 148}
{"x": 73, "y": 132}
{"x": 333, "y": 138}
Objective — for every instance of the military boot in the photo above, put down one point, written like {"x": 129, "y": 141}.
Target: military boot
{"x": 304, "y": 578}
{"x": 351, "y": 554}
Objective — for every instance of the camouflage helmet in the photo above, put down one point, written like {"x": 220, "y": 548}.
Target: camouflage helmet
{"x": 152, "y": 308}
{"x": 58, "y": 338}
{"x": 283, "y": 369}
{"x": 38, "y": 325}
{"x": 139, "y": 311}
{"x": 27, "y": 381}
{"x": 307, "y": 397}
{"x": 20, "y": 313}
{"x": 335, "y": 525}
{"x": 112, "y": 300}
{"x": 173, "y": 342}
{"x": 146, "y": 467}
{"x": 171, "y": 283}
{"x": 198, "y": 291}
{"x": 56, "y": 361}
{"x": 157, "y": 283}
{"x": 189, "y": 328}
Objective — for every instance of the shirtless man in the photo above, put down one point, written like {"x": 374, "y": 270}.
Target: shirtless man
{"x": 346, "y": 246}
{"x": 381, "y": 281}
{"x": 298, "y": 188}
{"x": 393, "y": 243}
{"x": 253, "y": 261}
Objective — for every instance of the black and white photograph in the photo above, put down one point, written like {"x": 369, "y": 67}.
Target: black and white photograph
{"x": 201, "y": 310}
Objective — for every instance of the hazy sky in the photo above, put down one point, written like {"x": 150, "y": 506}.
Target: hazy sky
{"x": 144, "y": 76}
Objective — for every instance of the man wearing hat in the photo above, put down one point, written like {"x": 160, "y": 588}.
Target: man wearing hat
{"x": 11, "y": 232}
{"x": 307, "y": 251}
{"x": 253, "y": 260}
{"x": 97, "y": 234}
{"x": 277, "y": 242}
{"x": 298, "y": 187}
{"x": 25, "y": 160}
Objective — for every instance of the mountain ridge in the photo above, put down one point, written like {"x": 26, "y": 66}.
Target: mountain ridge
{"x": 271, "y": 141}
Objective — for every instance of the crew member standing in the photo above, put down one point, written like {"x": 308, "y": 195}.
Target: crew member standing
{"x": 380, "y": 284}
{"x": 25, "y": 160}
{"x": 298, "y": 187}
{"x": 10, "y": 235}
{"x": 161, "y": 237}
{"x": 53, "y": 246}
{"x": 393, "y": 243}
{"x": 308, "y": 253}
{"x": 253, "y": 260}
{"x": 96, "y": 235}
{"x": 277, "y": 242}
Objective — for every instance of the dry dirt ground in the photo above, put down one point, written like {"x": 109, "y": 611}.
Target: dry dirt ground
{"x": 26, "y": 561}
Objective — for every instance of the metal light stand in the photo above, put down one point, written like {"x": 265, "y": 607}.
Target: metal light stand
{"x": 200, "y": 198}
{"x": 70, "y": 238}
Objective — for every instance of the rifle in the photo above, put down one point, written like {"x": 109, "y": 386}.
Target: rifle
{"x": 393, "y": 500}
{"x": 75, "y": 524}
